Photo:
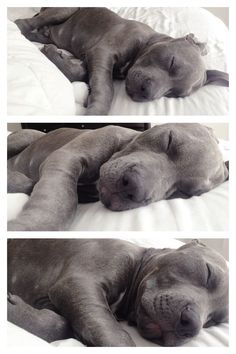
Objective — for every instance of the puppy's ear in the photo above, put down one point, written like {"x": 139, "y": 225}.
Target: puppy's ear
{"x": 217, "y": 77}
{"x": 226, "y": 170}
{"x": 196, "y": 241}
{"x": 211, "y": 131}
{"x": 194, "y": 41}
{"x": 192, "y": 243}
{"x": 227, "y": 165}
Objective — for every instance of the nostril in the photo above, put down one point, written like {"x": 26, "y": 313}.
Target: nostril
{"x": 186, "y": 317}
{"x": 143, "y": 88}
{"x": 184, "y": 321}
{"x": 125, "y": 181}
{"x": 130, "y": 196}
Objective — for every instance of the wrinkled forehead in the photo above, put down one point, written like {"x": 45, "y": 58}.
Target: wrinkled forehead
{"x": 183, "y": 133}
{"x": 179, "y": 47}
{"x": 188, "y": 68}
{"x": 190, "y": 139}
{"x": 200, "y": 251}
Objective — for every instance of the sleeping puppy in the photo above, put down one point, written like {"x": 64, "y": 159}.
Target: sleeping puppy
{"x": 104, "y": 46}
{"x": 64, "y": 288}
{"x": 132, "y": 169}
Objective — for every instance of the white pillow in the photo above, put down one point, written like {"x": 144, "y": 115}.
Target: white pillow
{"x": 35, "y": 85}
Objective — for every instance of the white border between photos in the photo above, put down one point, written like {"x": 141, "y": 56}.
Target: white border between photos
{"x": 210, "y": 119}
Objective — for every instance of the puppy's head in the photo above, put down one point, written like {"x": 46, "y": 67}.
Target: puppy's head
{"x": 179, "y": 292}
{"x": 165, "y": 161}
{"x": 171, "y": 68}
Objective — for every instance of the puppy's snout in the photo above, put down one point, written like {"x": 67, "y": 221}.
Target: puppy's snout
{"x": 139, "y": 87}
{"x": 189, "y": 323}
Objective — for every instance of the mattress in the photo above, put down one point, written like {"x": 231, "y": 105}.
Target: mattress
{"x": 37, "y": 87}
{"x": 208, "y": 212}
{"x": 216, "y": 336}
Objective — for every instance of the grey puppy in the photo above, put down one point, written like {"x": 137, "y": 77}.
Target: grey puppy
{"x": 104, "y": 46}
{"x": 67, "y": 288}
{"x": 132, "y": 169}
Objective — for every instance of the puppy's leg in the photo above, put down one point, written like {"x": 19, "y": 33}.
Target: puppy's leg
{"x": 100, "y": 69}
{"x": 53, "y": 202}
{"x": 18, "y": 141}
{"x": 84, "y": 305}
{"x": 44, "y": 323}
{"x": 37, "y": 37}
{"x": 17, "y": 182}
{"x": 49, "y": 16}
{"x": 73, "y": 68}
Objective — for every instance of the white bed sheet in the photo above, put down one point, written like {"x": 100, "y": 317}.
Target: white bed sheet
{"x": 209, "y": 100}
{"x": 216, "y": 336}
{"x": 208, "y": 212}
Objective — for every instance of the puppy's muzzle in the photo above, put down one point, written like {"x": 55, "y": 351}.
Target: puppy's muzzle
{"x": 139, "y": 87}
{"x": 127, "y": 189}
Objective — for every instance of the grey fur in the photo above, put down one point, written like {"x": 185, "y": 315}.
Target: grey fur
{"x": 66, "y": 287}
{"x": 104, "y": 46}
{"x": 132, "y": 169}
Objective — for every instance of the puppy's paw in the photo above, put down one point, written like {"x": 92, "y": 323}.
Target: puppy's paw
{"x": 14, "y": 300}
{"x": 49, "y": 50}
{"x": 23, "y": 25}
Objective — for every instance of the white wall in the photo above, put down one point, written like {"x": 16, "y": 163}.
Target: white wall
{"x": 221, "y": 129}
{"x": 12, "y": 127}
{"x": 221, "y": 245}
{"x": 220, "y": 12}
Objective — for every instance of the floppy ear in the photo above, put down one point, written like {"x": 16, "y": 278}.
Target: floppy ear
{"x": 194, "y": 41}
{"x": 216, "y": 77}
{"x": 227, "y": 165}
{"x": 226, "y": 170}
{"x": 193, "y": 243}
{"x": 211, "y": 131}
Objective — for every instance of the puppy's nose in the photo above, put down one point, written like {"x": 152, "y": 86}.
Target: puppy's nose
{"x": 145, "y": 89}
{"x": 130, "y": 186}
{"x": 189, "y": 323}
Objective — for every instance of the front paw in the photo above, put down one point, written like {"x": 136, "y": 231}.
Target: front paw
{"x": 23, "y": 25}
{"x": 14, "y": 299}
{"x": 16, "y": 308}
{"x": 49, "y": 50}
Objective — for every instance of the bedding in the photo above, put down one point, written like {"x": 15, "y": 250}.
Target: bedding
{"x": 43, "y": 89}
{"x": 208, "y": 212}
{"x": 213, "y": 336}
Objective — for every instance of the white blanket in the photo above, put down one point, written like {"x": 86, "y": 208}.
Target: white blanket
{"x": 36, "y": 87}
{"x": 208, "y": 212}
{"x": 216, "y": 336}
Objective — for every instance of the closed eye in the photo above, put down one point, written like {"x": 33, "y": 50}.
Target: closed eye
{"x": 209, "y": 323}
{"x": 172, "y": 93}
{"x": 170, "y": 140}
{"x": 171, "y": 66}
{"x": 208, "y": 274}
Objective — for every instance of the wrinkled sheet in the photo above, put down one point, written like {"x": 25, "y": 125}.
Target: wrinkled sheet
{"x": 32, "y": 88}
{"x": 214, "y": 336}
